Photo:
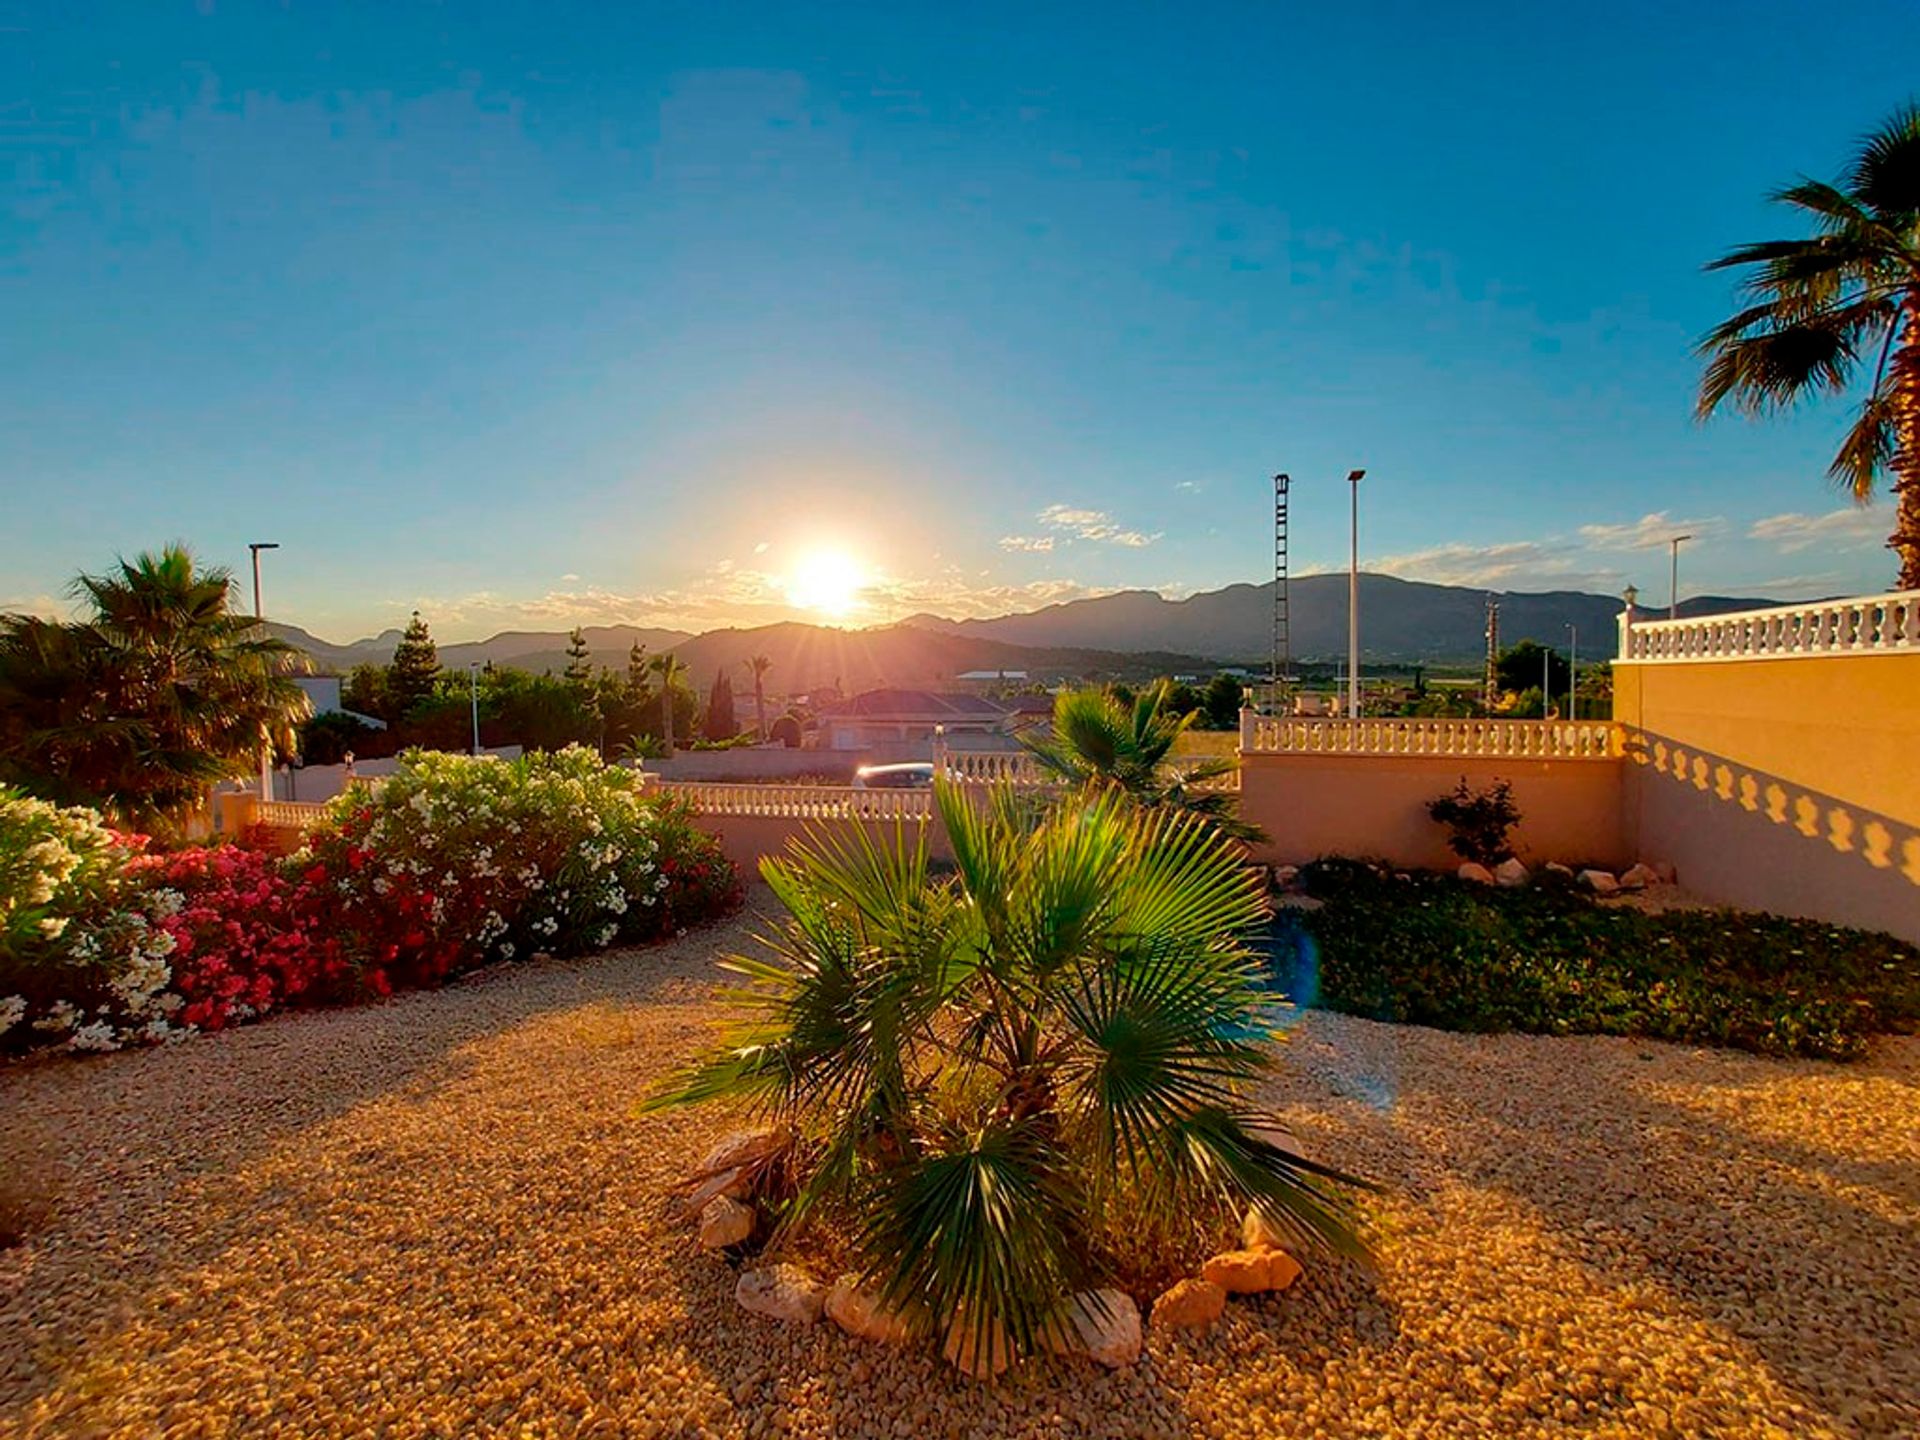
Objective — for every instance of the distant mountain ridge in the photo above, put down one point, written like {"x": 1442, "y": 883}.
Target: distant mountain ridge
{"x": 1128, "y": 633}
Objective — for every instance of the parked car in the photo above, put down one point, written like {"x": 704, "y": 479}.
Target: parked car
{"x": 908, "y": 775}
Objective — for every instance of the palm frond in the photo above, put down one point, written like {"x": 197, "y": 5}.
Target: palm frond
{"x": 1886, "y": 175}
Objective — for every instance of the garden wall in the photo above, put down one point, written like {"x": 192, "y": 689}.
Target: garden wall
{"x": 1788, "y": 783}
{"x": 1312, "y": 805}
{"x": 745, "y": 838}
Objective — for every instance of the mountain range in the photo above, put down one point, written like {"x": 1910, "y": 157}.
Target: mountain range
{"x": 1131, "y": 633}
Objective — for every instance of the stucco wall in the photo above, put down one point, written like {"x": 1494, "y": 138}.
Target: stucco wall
{"x": 1789, "y": 784}
{"x": 1374, "y": 805}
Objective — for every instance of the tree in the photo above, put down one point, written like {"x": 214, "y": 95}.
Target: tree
{"x": 672, "y": 675}
{"x": 719, "y": 718}
{"x": 637, "y": 668}
{"x": 415, "y": 668}
{"x": 364, "y": 691}
{"x": 1098, "y": 742}
{"x": 1031, "y": 1077}
{"x": 1520, "y": 667}
{"x": 1221, "y": 703}
{"x": 160, "y": 692}
{"x": 1826, "y": 310}
{"x": 579, "y": 662}
{"x": 760, "y": 665}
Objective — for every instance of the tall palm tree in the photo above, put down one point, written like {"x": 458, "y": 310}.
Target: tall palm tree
{"x": 760, "y": 665}
{"x": 672, "y": 673}
{"x": 1833, "y": 307}
{"x": 1099, "y": 740}
{"x": 1030, "y": 1076}
{"x": 160, "y": 692}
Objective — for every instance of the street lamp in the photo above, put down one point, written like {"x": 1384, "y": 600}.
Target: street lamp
{"x": 1573, "y": 672}
{"x": 1353, "y": 597}
{"x": 1673, "y": 582}
{"x": 260, "y": 618}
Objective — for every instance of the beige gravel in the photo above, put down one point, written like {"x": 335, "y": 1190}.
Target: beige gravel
{"x": 440, "y": 1217}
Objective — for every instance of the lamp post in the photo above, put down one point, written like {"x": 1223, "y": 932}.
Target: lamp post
{"x": 1573, "y": 672}
{"x": 473, "y": 700}
{"x": 1353, "y": 597}
{"x": 1673, "y": 581}
{"x": 260, "y": 618}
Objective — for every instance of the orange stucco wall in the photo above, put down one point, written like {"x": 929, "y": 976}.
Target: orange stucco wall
{"x": 1790, "y": 784}
{"x": 1375, "y": 805}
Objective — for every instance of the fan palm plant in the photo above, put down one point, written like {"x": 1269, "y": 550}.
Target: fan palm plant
{"x": 1098, "y": 739}
{"x": 759, "y": 665}
{"x": 1828, "y": 309}
{"x": 162, "y": 691}
{"x": 996, "y": 1072}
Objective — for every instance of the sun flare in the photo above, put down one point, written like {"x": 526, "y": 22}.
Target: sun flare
{"x": 828, "y": 582}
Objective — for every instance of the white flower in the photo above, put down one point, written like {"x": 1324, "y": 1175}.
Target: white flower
{"x": 97, "y": 1036}
{"x": 52, "y": 926}
{"x": 12, "y": 1010}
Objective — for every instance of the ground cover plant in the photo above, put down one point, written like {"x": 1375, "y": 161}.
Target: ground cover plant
{"x": 1026, "y": 1077}
{"x": 1549, "y": 959}
{"x": 451, "y": 864}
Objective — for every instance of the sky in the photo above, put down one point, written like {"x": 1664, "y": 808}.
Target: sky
{"x": 534, "y": 315}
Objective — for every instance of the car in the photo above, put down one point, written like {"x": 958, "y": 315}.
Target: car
{"x": 908, "y": 775}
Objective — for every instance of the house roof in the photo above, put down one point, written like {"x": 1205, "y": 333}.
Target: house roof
{"x": 920, "y": 705}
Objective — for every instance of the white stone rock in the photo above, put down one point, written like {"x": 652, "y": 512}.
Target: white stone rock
{"x": 1601, "y": 882}
{"x": 1639, "y": 877}
{"x": 1477, "y": 874}
{"x": 980, "y": 1355}
{"x": 1554, "y": 867}
{"x": 781, "y": 1292}
{"x": 1510, "y": 872}
{"x": 861, "y": 1310}
{"x": 1285, "y": 875}
{"x": 1104, "y": 1325}
{"x": 730, "y": 1165}
{"x": 1663, "y": 871}
{"x": 725, "y": 1221}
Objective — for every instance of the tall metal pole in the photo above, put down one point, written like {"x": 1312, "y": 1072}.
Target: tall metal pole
{"x": 1281, "y": 661}
{"x": 1673, "y": 581}
{"x": 1573, "y": 672}
{"x": 260, "y": 618}
{"x": 1353, "y": 597}
{"x": 473, "y": 693}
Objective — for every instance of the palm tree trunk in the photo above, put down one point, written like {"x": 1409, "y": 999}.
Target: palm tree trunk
{"x": 760, "y": 707}
{"x": 1905, "y": 381}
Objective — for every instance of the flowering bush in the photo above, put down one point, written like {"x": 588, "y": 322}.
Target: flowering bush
{"x": 83, "y": 943}
{"x": 457, "y": 861}
{"x": 454, "y": 862}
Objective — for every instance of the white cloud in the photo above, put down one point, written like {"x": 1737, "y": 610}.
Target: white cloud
{"x": 569, "y": 576}
{"x": 1035, "y": 544}
{"x": 1851, "y": 525}
{"x": 1094, "y": 525}
{"x": 1656, "y": 528}
{"x": 43, "y": 606}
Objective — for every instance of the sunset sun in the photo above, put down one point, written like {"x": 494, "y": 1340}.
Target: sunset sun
{"x": 827, "y": 582}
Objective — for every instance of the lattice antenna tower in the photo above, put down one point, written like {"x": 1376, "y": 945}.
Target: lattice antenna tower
{"x": 1490, "y": 686}
{"x": 1280, "y": 672}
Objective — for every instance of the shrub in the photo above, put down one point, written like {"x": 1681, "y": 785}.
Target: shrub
{"x": 1026, "y": 1078}
{"x": 1478, "y": 821}
{"x": 456, "y": 861}
{"x": 1550, "y": 960}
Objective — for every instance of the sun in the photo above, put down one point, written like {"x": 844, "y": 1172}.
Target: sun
{"x": 828, "y": 582}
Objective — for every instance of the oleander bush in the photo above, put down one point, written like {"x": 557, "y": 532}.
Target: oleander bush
{"x": 452, "y": 864}
{"x": 1550, "y": 959}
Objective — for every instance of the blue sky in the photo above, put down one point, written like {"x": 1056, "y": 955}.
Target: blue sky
{"x": 535, "y": 314}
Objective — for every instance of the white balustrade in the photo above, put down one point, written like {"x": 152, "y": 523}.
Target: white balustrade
{"x": 289, "y": 814}
{"x": 801, "y": 802}
{"x": 1462, "y": 739}
{"x": 1864, "y": 625}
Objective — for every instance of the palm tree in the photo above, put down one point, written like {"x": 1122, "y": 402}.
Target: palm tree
{"x": 760, "y": 665}
{"x": 671, "y": 672}
{"x": 1027, "y": 1077}
{"x": 1827, "y": 309}
{"x": 162, "y": 691}
{"x": 1099, "y": 740}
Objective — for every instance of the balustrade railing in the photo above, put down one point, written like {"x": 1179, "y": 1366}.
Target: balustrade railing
{"x": 801, "y": 802}
{"x": 1866, "y": 624}
{"x": 1463, "y": 739}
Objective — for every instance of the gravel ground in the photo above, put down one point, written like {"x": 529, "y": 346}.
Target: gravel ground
{"x": 440, "y": 1217}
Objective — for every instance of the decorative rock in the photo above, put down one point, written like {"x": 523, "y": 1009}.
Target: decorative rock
{"x": 1510, "y": 872}
{"x": 861, "y": 1310}
{"x": 1638, "y": 878}
{"x": 980, "y": 1356}
{"x": 1273, "y": 1133}
{"x": 1478, "y": 874}
{"x": 1101, "y": 1324}
{"x": 1554, "y": 867}
{"x": 1189, "y": 1305}
{"x": 1599, "y": 881}
{"x": 781, "y": 1292}
{"x": 725, "y": 1221}
{"x": 1285, "y": 875}
{"x": 1663, "y": 871}
{"x": 728, "y": 1166}
{"x": 1250, "y": 1272}
{"x": 1257, "y": 1234}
